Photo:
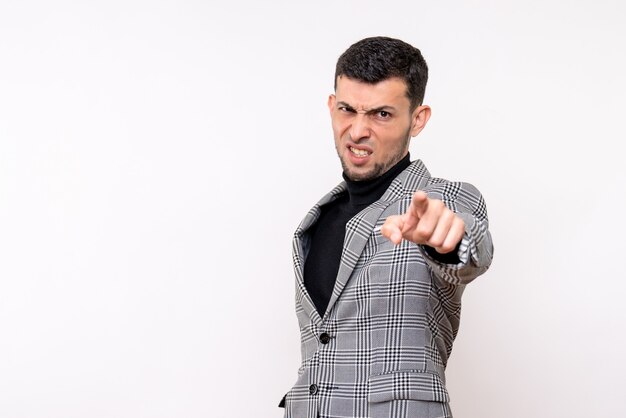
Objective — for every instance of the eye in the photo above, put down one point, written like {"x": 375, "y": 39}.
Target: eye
{"x": 346, "y": 109}
{"x": 383, "y": 114}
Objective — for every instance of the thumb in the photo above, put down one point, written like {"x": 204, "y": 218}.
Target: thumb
{"x": 392, "y": 228}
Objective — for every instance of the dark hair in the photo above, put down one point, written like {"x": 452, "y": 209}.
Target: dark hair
{"x": 372, "y": 60}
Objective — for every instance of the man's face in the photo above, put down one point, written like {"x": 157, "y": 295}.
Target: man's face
{"x": 372, "y": 125}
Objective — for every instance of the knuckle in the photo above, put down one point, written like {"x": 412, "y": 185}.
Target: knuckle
{"x": 422, "y": 233}
{"x": 436, "y": 242}
{"x": 448, "y": 247}
{"x": 444, "y": 250}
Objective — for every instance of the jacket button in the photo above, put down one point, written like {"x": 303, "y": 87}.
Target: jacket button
{"x": 313, "y": 389}
{"x": 324, "y": 338}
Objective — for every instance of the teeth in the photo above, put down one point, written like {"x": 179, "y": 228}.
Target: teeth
{"x": 359, "y": 152}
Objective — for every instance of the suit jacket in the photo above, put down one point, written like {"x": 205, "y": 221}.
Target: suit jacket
{"x": 381, "y": 348}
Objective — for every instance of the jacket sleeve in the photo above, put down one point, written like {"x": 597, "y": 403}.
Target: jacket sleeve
{"x": 475, "y": 251}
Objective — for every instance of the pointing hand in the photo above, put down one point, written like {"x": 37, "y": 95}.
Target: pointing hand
{"x": 426, "y": 222}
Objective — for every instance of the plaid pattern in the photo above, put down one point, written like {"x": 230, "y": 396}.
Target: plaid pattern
{"x": 393, "y": 314}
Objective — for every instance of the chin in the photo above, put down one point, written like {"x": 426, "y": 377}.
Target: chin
{"x": 360, "y": 175}
{"x": 356, "y": 173}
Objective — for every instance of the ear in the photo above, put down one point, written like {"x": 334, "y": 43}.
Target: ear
{"x": 331, "y": 103}
{"x": 419, "y": 118}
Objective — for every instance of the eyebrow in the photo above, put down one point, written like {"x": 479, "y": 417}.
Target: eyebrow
{"x": 373, "y": 110}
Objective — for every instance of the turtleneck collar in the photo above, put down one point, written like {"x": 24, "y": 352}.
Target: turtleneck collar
{"x": 366, "y": 192}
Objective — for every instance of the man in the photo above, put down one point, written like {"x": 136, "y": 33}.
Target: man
{"x": 382, "y": 260}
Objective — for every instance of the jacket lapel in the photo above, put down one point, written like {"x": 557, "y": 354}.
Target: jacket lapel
{"x": 358, "y": 231}
{"x": 300, "y": 250}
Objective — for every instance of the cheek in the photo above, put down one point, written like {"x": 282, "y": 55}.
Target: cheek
{"x": 393, "y": 140}
{"x": 388, "y": 138}
{"x": 338, "y": 129}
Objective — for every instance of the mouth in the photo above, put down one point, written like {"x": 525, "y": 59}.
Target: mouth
{"x": 359, "y": 152}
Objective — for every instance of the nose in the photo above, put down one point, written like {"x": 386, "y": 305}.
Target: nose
{"x": 360, "y": 128}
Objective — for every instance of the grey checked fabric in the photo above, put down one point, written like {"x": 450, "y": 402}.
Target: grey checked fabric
{"x": 393, "y": 314}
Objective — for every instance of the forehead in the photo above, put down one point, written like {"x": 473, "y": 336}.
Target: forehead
{"x": 389, "y": 92}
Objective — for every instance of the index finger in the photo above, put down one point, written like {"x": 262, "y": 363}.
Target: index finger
{"x": 419, "y": 203}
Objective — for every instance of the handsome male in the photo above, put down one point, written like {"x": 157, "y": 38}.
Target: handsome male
{"x": 382, "y": 260}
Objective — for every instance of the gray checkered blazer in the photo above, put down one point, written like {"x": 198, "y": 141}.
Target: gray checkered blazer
{"x": 382, "y": 346}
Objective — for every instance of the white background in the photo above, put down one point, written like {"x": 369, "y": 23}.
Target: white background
{"x": 156, "y": 156}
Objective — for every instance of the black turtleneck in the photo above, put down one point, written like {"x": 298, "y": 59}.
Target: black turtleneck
{"x": 327, "y": 235}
